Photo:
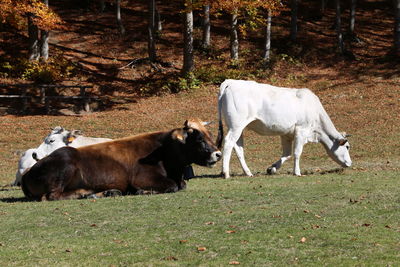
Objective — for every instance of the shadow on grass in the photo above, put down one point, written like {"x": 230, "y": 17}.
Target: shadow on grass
{"x": 14, "y": 199}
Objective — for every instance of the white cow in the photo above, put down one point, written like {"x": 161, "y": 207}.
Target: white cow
{"x": 55, "y": 139}
{"x": 58, "y": 137}
{"x": 296, "y": 115}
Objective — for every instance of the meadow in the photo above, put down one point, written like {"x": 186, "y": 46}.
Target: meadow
{"x": 327, "y": 217}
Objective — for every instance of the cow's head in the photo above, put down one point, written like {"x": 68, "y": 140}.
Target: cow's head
{"x": 198, "y": 143}
{"x": 53, "y": 141}
{"x": 187, "y": 145}
{"x": 340, "y": 150}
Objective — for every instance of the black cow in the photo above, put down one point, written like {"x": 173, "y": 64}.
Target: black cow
{"x": 150, "y": 162}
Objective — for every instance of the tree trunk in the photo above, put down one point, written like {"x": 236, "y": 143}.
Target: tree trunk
{"x": 293, "y": 20}
{"x": 33, "y": 40}
{"x": 188, "y": 64}
{"x": 158, "y": 20}
{"x": 102, "y": 5}
{"x": 44, "y": 45}
{"x": 206, "y": 26}
{"x": 397, "y": 27}
{"x": 119, "y": 21}
{"x": 234, "y": 40}
{"x": 151, "y": 25}
{"x": 44, "y": 40}
{"x": 339, "y": 34}
{"x": 352, "y": 17}
{"x": 323, "y": 6}
{"x": 267, "y": 43}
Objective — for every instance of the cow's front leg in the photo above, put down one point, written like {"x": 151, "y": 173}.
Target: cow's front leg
{"x": 287, "y": 143}
{"x": 74, "y": 194}
{"x": 230, "y": 140}
{"x": 299, "y": 142}
{"x": 106, "y": 193}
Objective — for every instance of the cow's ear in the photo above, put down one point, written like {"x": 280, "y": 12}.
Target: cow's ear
{"x": 342, "y": 141}
{"x": 153, "y": 158}
{"x": 68, "y": 139}
{"x": 181, "y": 134}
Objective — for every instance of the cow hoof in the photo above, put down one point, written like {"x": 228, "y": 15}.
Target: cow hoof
{"x": 112, "y": 193}
{"x": 271, "y": 170}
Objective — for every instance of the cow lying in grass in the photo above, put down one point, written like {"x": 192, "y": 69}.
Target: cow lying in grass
{"x": 296, "y": 115}
{"x": 58, "y": 137}
{"x": 147, "y": 162}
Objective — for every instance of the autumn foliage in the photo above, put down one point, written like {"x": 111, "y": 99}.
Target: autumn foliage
{"x": 14, "y": 12}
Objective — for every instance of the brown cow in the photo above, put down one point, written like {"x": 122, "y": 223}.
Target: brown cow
{"x": 147, "y": 162}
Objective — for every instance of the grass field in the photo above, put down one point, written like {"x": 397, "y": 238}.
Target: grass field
{"x": 328, "y": 217}
{"x": 348, "y": 218}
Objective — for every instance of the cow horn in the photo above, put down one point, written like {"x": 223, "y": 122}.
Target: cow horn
{"x": 76, "y": 132}
{"x": 57, "y": 129}
{"x": 345, "y": 134}
{"x": 205, "y": 123}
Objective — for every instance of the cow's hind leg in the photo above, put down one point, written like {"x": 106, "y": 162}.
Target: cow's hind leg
{"x": 287, "y": 144}
{"x": 239, "y": 149}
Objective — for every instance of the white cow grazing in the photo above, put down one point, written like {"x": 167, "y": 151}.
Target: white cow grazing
{"x": 296, "y": 115}
{"x": 58, "y": 137}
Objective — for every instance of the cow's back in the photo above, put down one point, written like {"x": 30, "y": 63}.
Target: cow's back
{"x": 267, "y": 109}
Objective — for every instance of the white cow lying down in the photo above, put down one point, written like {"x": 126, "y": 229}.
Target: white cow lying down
{"x": 296, "y": 115}
{"x": 58, "y": 137}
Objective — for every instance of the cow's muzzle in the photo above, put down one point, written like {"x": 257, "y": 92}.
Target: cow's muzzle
{"x": 214, "y": 158}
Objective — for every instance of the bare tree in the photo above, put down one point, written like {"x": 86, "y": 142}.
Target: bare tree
{"x": 151, "y": 28}
{"x": 188, "y": 63}
{"x": 323, "y": 6}
{"x": 206, "y": 26}
{"x": 339, "y": 34}
{"x": 33, "y": 40}
{"x": 44, "y": 40}
{"x": 158, "y": 20}
{"x": 352, "y": 20}
{"x": 234, "y": 40}
{"x": 397, "y": 27}
{"x": 293, "y": 20}
{"x": 119, "y": 20}
{"x": 267, "y": 40}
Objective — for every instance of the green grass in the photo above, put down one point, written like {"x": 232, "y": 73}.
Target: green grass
{"x": 348, "y": 218}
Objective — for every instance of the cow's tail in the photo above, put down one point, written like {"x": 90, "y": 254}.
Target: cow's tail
{"x": 220, "y": 136}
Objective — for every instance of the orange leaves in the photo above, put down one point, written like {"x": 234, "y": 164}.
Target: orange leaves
{"x": 303, "y": 240}
{"x": 42, "y": 16}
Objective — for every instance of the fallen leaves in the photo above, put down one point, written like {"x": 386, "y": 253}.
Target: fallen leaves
{"x": 303, "y": 240}
{"x": 170, "y": 258}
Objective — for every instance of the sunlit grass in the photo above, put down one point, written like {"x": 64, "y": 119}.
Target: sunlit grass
{"x": 349, "y": 218}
